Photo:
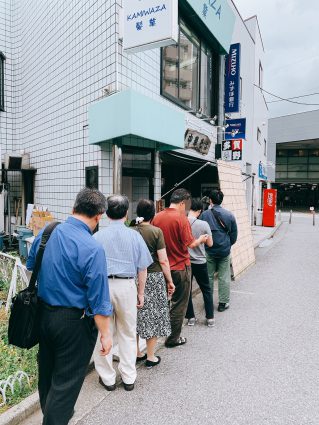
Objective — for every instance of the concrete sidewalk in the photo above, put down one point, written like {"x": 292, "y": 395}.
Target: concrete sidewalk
{"x": 92, "y": 394}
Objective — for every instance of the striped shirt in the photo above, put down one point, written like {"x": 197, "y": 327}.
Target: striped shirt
{"x": 125, "y": 250}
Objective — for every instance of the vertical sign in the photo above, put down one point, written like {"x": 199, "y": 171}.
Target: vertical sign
{"x": 232, "y": 79}
{"x": 232, "y": 150}
{"x": 149, "y": 24}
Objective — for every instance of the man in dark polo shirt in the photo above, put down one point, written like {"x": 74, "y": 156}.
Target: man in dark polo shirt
{"x": 178, "y": 238}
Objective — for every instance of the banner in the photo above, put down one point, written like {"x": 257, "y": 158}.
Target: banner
{"x": 232, "y": 79}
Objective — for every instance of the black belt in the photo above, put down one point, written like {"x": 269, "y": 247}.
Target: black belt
{"x": 114, "y": 276}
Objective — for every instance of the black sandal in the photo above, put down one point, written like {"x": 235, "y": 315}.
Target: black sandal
{"x": 181, "y": 341}
{"x": 150, "y": 364}
{"x": 141, "y": 359}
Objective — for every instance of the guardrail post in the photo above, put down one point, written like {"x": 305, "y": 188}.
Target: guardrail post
{"x": 290, "y": 217}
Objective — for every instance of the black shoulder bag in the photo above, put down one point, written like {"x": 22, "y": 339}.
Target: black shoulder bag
{"x": 220, "y": 221}
{"x": 24, "y": 323}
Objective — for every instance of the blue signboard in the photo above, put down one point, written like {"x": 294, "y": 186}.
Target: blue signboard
{"x": 262, "y": 171}
{"x": 232, "y": 79}
{"x": 235, "y": 129}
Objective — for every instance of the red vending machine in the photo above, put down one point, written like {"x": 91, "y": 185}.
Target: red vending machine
{"x": 270, "y": 205}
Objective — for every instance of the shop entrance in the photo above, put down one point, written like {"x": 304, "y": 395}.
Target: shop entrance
{"x": 177, "y": 167}
{"x": 137, "y": 176}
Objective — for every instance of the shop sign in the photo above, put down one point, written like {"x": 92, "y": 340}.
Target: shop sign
{"x": 197, "y": 141}
{"x": 262, "y": 171}
{"x": 232, "y": 150}
{"x": 235, "y": 129}
{"x": 232, "y": 79}
{"x": 149, "y": 24}
{"x": 218, "y": 17}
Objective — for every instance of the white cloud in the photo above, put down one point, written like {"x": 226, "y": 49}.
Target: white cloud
{"x": 289, "y": 30}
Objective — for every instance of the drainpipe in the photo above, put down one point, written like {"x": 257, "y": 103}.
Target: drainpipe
{"x": 117, "y": 169}
{"x": 221, "y": 99}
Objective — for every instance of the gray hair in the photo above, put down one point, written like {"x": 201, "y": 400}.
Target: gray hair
{"x": 90, "y": 202}
{"x": 117, "y": 206}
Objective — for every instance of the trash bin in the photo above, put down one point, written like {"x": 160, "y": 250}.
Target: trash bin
{"x": 23, "y": 234}
{"x": 1, "y": 240}
{"x": 259, "y": 218}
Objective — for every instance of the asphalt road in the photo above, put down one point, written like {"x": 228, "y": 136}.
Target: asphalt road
{"x": 258, "y": 366}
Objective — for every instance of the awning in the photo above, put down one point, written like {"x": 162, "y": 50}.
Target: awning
{"x": 130, "y": 118}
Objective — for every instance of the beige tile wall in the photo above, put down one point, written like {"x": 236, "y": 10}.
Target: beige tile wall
{"x": 231, "y": 184}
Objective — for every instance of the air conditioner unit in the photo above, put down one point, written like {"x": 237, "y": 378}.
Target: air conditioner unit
{"x": 16, "y": 161}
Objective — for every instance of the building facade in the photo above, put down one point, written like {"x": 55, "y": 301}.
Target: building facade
{"x": 294, "y": 148}
{"x": 87, "y": 113}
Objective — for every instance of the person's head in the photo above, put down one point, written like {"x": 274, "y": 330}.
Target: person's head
{"x": 117, "y": 207}
{"x": 146, "y": 209}
{"x": 196, "y": 207}
{"x": 181, "y": 200}
{"x": 216, "y": 197}
{"x": 89, "y": 206}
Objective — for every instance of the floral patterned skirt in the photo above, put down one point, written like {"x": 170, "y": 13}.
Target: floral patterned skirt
{"x": 153, "y": 319}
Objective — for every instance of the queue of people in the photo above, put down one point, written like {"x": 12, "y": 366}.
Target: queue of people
{"x": 126, "y": 283}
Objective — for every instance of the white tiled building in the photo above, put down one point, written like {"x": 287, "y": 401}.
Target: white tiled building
{"x": 62, "y": 57}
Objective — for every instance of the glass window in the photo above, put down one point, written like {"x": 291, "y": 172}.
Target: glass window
{"x": 313, "y": 175}
{"x": 297, "y": 167}
{"x": 281, "y": 175}
{"x": 206, "y": 78}
{"x": 283, "y": 153}
{"x": 298, "y": 160}
{"x": 297, "y": 174}
{"x": 281, "y": 160}
{"x": 2, "y": 59}
{"x": 298, "y": 152}
{"x": 314, "y": 153}
{"x": 188, "y": 68}
{"x": 281, "y": 167}
{"x": 187, "y": 72}
{"x": 313, "y": 167}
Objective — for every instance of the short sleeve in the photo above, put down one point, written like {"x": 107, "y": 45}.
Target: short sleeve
{"x": 186, "y": 232}
{"x": 160, "y": 241}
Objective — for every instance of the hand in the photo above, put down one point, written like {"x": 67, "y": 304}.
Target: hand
{"x": 140, "y": 300}
{"x": 203, "y": 238}
{"x": 170, "y": 288}
{"x": 106, "y": 343}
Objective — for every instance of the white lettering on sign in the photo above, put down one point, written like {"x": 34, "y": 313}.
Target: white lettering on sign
{"x": 270, "y": 199}
{"x": 233, "y": 62}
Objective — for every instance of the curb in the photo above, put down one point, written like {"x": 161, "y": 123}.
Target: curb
{"x": 269, "y": 236}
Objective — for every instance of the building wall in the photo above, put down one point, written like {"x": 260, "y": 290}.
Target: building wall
{"x": 60, "y": 56}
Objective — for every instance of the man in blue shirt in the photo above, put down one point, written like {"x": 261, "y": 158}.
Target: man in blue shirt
{"x": 73, "y": 289}
{"x": 224, "y": 230}
{"x": 127, "y": 257}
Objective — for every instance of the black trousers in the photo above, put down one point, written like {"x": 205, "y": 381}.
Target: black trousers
{"x": 67, "y": 341}
{"x": 201, "y": 275}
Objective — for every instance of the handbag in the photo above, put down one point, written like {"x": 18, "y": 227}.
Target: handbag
{"x": 24, "y": 320}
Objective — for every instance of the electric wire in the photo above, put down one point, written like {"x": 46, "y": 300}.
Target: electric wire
{"x": 295, "y": 97}
{"x": 285, "y": 99}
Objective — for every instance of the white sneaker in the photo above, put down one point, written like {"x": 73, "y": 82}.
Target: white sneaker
{"x": 191, "y": 322}
{"x": 210, "y": 323}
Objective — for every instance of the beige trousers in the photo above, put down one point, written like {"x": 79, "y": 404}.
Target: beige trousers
{"x": 123, "y": 294}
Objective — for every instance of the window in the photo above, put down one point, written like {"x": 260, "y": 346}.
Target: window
{"x": 259, "y": 135}
{"x": 2, "y": 59}
{"x": 188, "y": 72}
{"x": 92, "y": 177}
{"x": 265, "y": 147}
{"x": 261, "y": 76}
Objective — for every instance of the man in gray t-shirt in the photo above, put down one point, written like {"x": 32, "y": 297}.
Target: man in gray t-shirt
{"x": 199, "y": 265}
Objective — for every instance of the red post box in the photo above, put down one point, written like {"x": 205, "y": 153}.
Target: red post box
{"x": 270, "y": 204}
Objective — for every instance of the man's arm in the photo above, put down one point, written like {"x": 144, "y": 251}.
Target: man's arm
{"x": 98, "y": 295}
{"x": 144, "y": 260}
{"x": 197, "y": 242}
{"x": 33, "y": 251}
{"x": 103, "y": 325}
{"x": 187, "y": 237}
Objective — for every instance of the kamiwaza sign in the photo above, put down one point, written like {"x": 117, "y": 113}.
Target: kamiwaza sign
{"x": 149, "y": 24}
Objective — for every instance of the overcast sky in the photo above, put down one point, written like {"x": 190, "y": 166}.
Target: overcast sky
{"x": 289, "y": 30}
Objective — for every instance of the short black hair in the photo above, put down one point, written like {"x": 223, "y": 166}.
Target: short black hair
{"x": 196, "y": 205}
{"x": 146, "y": 209}
{"x": 117, "y": 206}
{"x": 216, "y": 196}
{"x": 180, "y": 195}
{"x": 89, "y": 202}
